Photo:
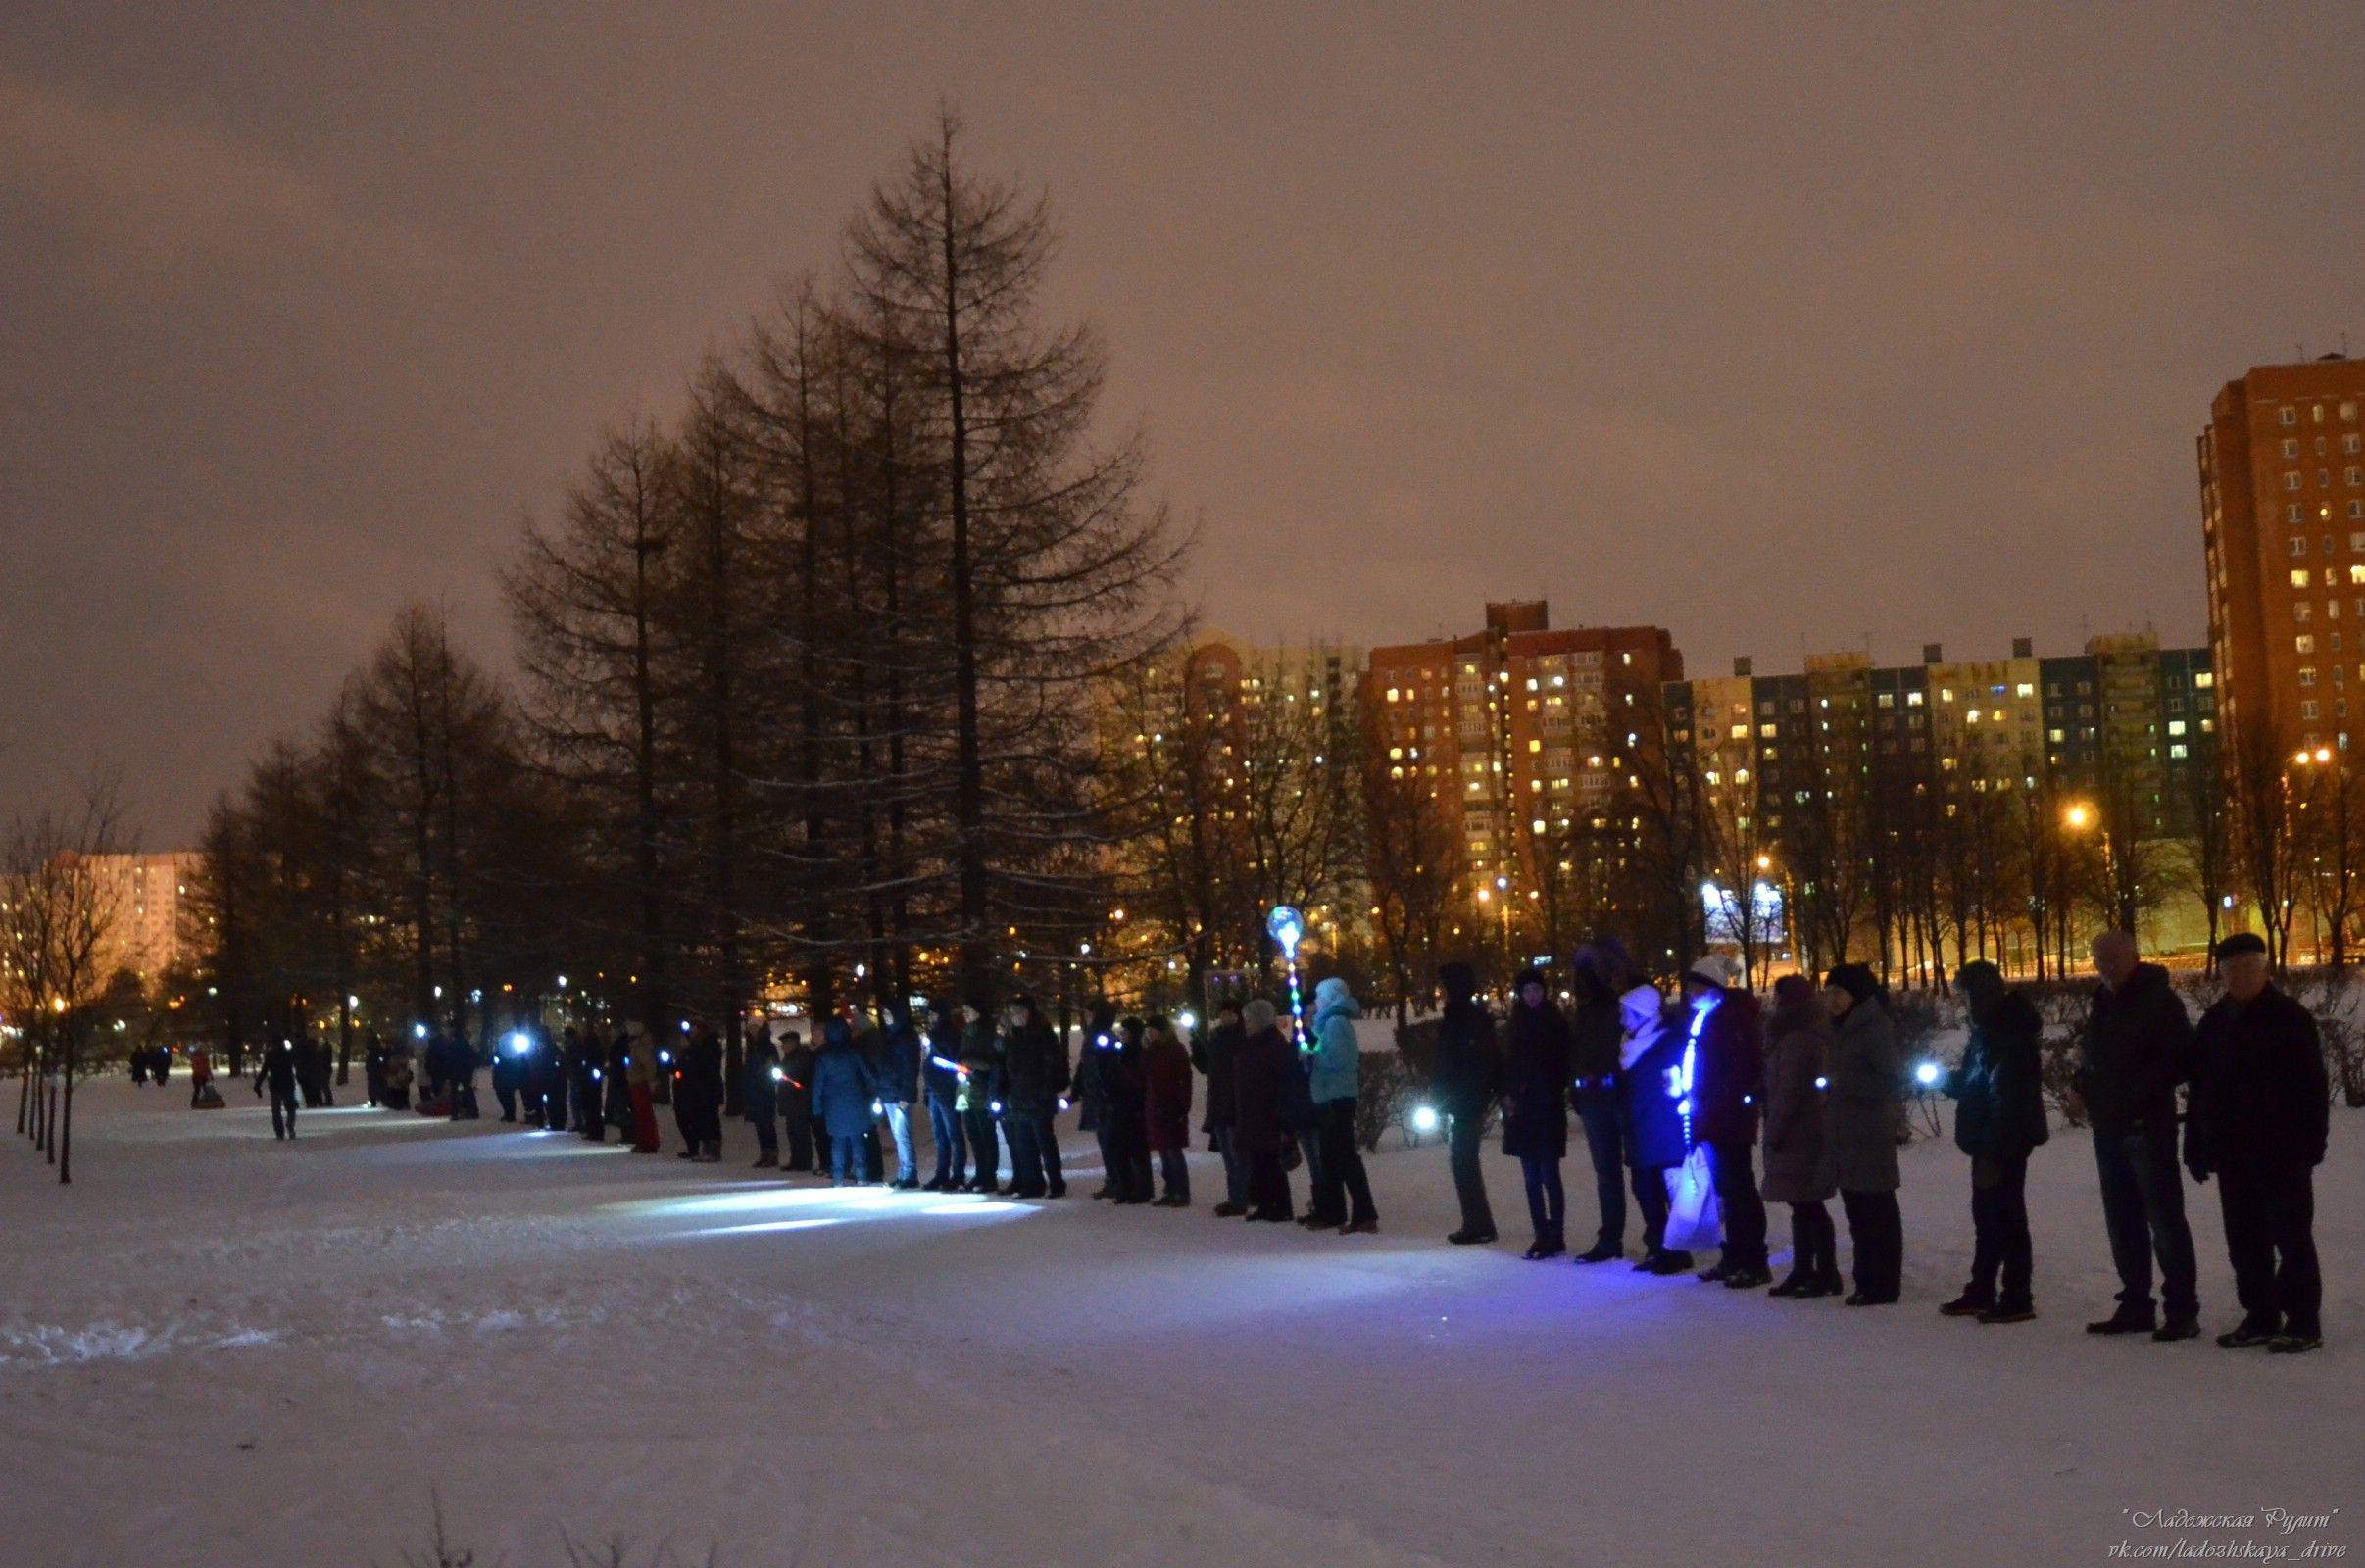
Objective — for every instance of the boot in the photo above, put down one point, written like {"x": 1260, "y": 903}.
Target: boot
{"x": 1970, "y": 1303}
{"x": 1229, "y": 1210}
{"x": 770, "y": 1159}
{"x": 1603, "y": 1251}
{"x": 1793, "y": 1283}
{"x": 2126, "y": 1320}
{"x": 1470, "y": 1238}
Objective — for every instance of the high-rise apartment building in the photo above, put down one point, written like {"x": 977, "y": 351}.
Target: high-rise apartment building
{"x": 1517, "y": 728}
{"x": 2283, "y": 527}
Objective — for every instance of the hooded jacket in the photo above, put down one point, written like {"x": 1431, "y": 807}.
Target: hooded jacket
{"x": 842, "y": 1086}
{"x": 1867, "y": 1083}
{"x": 1652, "y": 1049}
{"x": 1334, "y": 1056}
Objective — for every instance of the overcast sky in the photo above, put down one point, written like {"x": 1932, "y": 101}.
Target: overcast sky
{"x": 1782, "y": 326}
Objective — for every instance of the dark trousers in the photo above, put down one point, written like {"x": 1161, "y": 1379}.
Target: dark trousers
{"x": 1047, "y": 1146}
{"x": 985, "y": 1145}
{"x": 952, "y": 1149}
{"x": 1737, "y": 1204}
{"x": 2270, "y": 1236}
{"x": 846, "y": 1157}
{"x": 799, "y": 1121}
{"x": 1546, "y": 1201}
{"x": 1341, "y": 1191}
{"x": 1878, "y": 1232}
{"x": 509, "y": 1099}
{"x": 1268, "y": 1184}
{"x": 1651, "y": 1198}
{"x": 1999, "y": 1226}
{"x": 587, "y": 1118}
{"x": 1235, "y": 1168}
{"x": 1814, "y": 1243}
{"x": 1026, "y": 1154}
{"x": 1176, "y": 1172}
{"x": 767, "y": 1133}
{"x": 1605, "y": 1140}
{"x": 1125, "y": 1156}
{"x": 2144, "y": 1207}
{"x": 282, "y": 1115}
{"x": 553, "y": 1107}
{"x": 1465, "y": 1139}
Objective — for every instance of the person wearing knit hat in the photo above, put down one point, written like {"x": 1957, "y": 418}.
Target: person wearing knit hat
{"x": 1728, "y": 1075}
{"x": 1535, "y": 1108}
{"x": 1867, "y": 1084}
{"x": 1649, "y": 1058}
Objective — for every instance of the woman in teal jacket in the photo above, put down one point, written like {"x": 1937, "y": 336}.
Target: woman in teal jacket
{"x": 1333, "y": 1060}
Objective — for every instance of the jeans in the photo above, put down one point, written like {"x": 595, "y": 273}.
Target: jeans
{"x": 2270, "y": 1237}
{"x": 1463, "y": 1141}
{"x": 1877, "y": 1231}
{"x": 799, "y": 1138}
{"x": 899, "y": 1125}
{"x": 1547, "y": 1203}
{"x": 1999, "y": 1224}
{"x": 1235, "y": 1168}
{"x": 952, "y": 1149}
{"x": 845, "y": 1158}
{"x": 1339, "y": 1179}
{"x": 1176, "y": 1173}
{"x": 985, "y": 1145}
{"x": 1605, "y": 1140}
{"x": 2143, "y": 1208}
{"x": 1738, "y": 1202}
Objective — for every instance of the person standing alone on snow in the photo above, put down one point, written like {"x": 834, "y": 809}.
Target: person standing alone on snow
{"x": 1466, "y": 1078}
{"x": 2259, "y": 1116}
{"x": 2136, "y": 1049}
{"x": 278, "y": 1073}
{"x": 1999, "y": 1118}
{"x": 1334, "y": 1078}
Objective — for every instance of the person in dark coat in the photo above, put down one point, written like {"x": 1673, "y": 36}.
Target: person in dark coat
{"x": 1728, "y": 1074}
{"x": 1797, "y": 1047}
{"x": 842, "y": 1092}
{"x": 1466, "y": 1079}
{"x": 312, "y": 1073}
{"x": 373, "y": 1067}
{"x": 1600, "y": 974}
{"x": 1091, "y": 1088}
{"x": 508, "y": 1066}
{"x": 796, "y": 1103}
{"x": 578, "y": 1065}
{"x": 1166, "y": 1108}
{"x": 1125, "y": 1135}
{"x": 1034, "y": 1075}
{"x": 615, "y": 1085}
{"x": 550, "y": 1081}
{"x": 2135, "y": 1050}
{"x": 760, "y": 1097}
{"x": 1999, "y": 1091}
{"x": 900, "y": 1052}
{"x": 1650, "y": 1054}
{"x": 698, "y": 1079}
{"x": 941, "y": 1076}
{"x": 1867, "y": 1084}
{"x": 2258, "y": 1116}
{"x": 1535, "y": 1108}
{"x": 1213, "y": 1052}
{"x": 1263, "y": 1069}
{"x": 277, "y": 1072}
{"x": 982, "y": 1093}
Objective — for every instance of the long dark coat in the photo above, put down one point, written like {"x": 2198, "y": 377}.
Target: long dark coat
{"x": 1535, "y": 1083}
{"x": 1798, "y": 1046}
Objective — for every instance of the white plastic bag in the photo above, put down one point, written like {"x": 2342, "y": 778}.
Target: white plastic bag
{"x": 1693, "y": 1222}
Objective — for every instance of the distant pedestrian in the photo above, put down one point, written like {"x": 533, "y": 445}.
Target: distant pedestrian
{"x": 1167, "y": 1086}
{"x": 1535, "y": 1108}
{"x": 1466, "y": 1079}
{"x": 1650, "y": 1055}
{"x": 1125, "y": 1135}
{"x": 1034, "y": 1076}
{"x": 641, "y": 1067}
{"x": 796, "y": 1105}
{"x": 1728, "y": 1074}
{"x": 760, "y": 1097}
{"x": 1334, "y": 1079}
{"x": 2136, "y": 1050}
{"x": 1600, "y": 974}
{"x": 1263, "y": 1069}
{"x": 2259, "y": 1118}
{"x": 1214, "y": 1052}
{"x": 898, "y": 1089}
{"x": 841, "y": 1096}
{"x": 1797, "y": 1050}
{"x": 941, "y": 1077}
{"x": 982, "y": 1093}
{"x": 1867, "y": 1084}
{"x": 1999, "y": 1091}
{"x": 276, "y": 1072}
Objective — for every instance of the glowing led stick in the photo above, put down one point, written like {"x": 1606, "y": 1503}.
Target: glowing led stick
{"x": 1287, "y": 926}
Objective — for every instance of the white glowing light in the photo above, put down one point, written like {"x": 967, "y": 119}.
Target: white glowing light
{"x": 1424, "y": 1118}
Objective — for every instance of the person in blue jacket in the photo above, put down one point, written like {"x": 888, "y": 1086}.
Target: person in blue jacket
{"x": 941, "y": 1074}
{"x": 842, "y": 1092}
{"x": 1334, "y": 1059}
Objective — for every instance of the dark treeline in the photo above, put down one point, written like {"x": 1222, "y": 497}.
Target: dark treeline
{"x": 807, "y": 684}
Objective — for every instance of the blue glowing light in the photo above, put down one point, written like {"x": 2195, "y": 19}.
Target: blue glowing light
{"x": 1286, "y": 926}
{"x": 1926, "y": 1074}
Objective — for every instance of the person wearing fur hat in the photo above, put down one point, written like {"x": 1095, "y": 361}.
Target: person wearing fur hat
{"x": 1535, "y": 1108}
{"x": 1649, "y": 1058}
{"x": 1797, "y": 1047}
{"x": 1334, "y": 1077}
{"x": 1464, "y": 1078}
{"x": 1728, "y": 1073}
{"x": 1867, "y": 1082}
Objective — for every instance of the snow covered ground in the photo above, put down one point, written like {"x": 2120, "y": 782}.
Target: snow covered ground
{"x": 217, "y": 1349}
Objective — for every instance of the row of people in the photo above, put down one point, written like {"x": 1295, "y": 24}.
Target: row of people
{"x": 1816, "y": 1088}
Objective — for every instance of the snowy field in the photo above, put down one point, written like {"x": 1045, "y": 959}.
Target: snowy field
{"x": 217, "y": 1349}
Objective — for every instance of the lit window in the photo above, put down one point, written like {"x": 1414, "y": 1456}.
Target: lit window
{"x": 2204, "y": 679}
{"x": 2303, "y": 644}
{"x": 2299, "y": 577}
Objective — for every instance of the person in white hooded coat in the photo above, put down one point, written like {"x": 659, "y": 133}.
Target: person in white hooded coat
{"x": 1651, "y": 1051}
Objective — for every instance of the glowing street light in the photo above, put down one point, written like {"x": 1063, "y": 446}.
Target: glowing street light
{"x": 2077, "y": 816}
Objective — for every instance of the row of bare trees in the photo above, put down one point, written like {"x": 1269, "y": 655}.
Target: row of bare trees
{"x": 60, "y": 911}
{"x": 809, "y": 674}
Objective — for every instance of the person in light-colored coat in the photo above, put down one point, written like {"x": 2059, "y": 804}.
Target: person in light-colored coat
{"x": 1867, "y": 1083}
{"x": 1797, "y": 1047}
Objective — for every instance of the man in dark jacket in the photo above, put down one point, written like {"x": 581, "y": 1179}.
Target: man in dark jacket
{"x": 698, "y": 1092}
{"x": 1213, "y": 1052}
{"x": 797, "y": 1120}
{"x": 941, "y": 1075}
{"x": 1600, "y": 974}
{"x": 1265, "y": 1070}
{"x": 899, "y": 1090}
{"x": 982, "y": 1093}
{"x": 579, "y": 1060}
{"x": 2259, "y": 1116}
{"x": 1034, "y": 1075}
{"x": 759, "y": 1096}
{"x": 1998, "y": 1092}
{"x": 1728, "y": 1074}
{"x": 1464, "y": 1077}
{"x": 278, "y": 1073}
{"x": 842, "y": 1094}
{"x": 2136, "y": 1050}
